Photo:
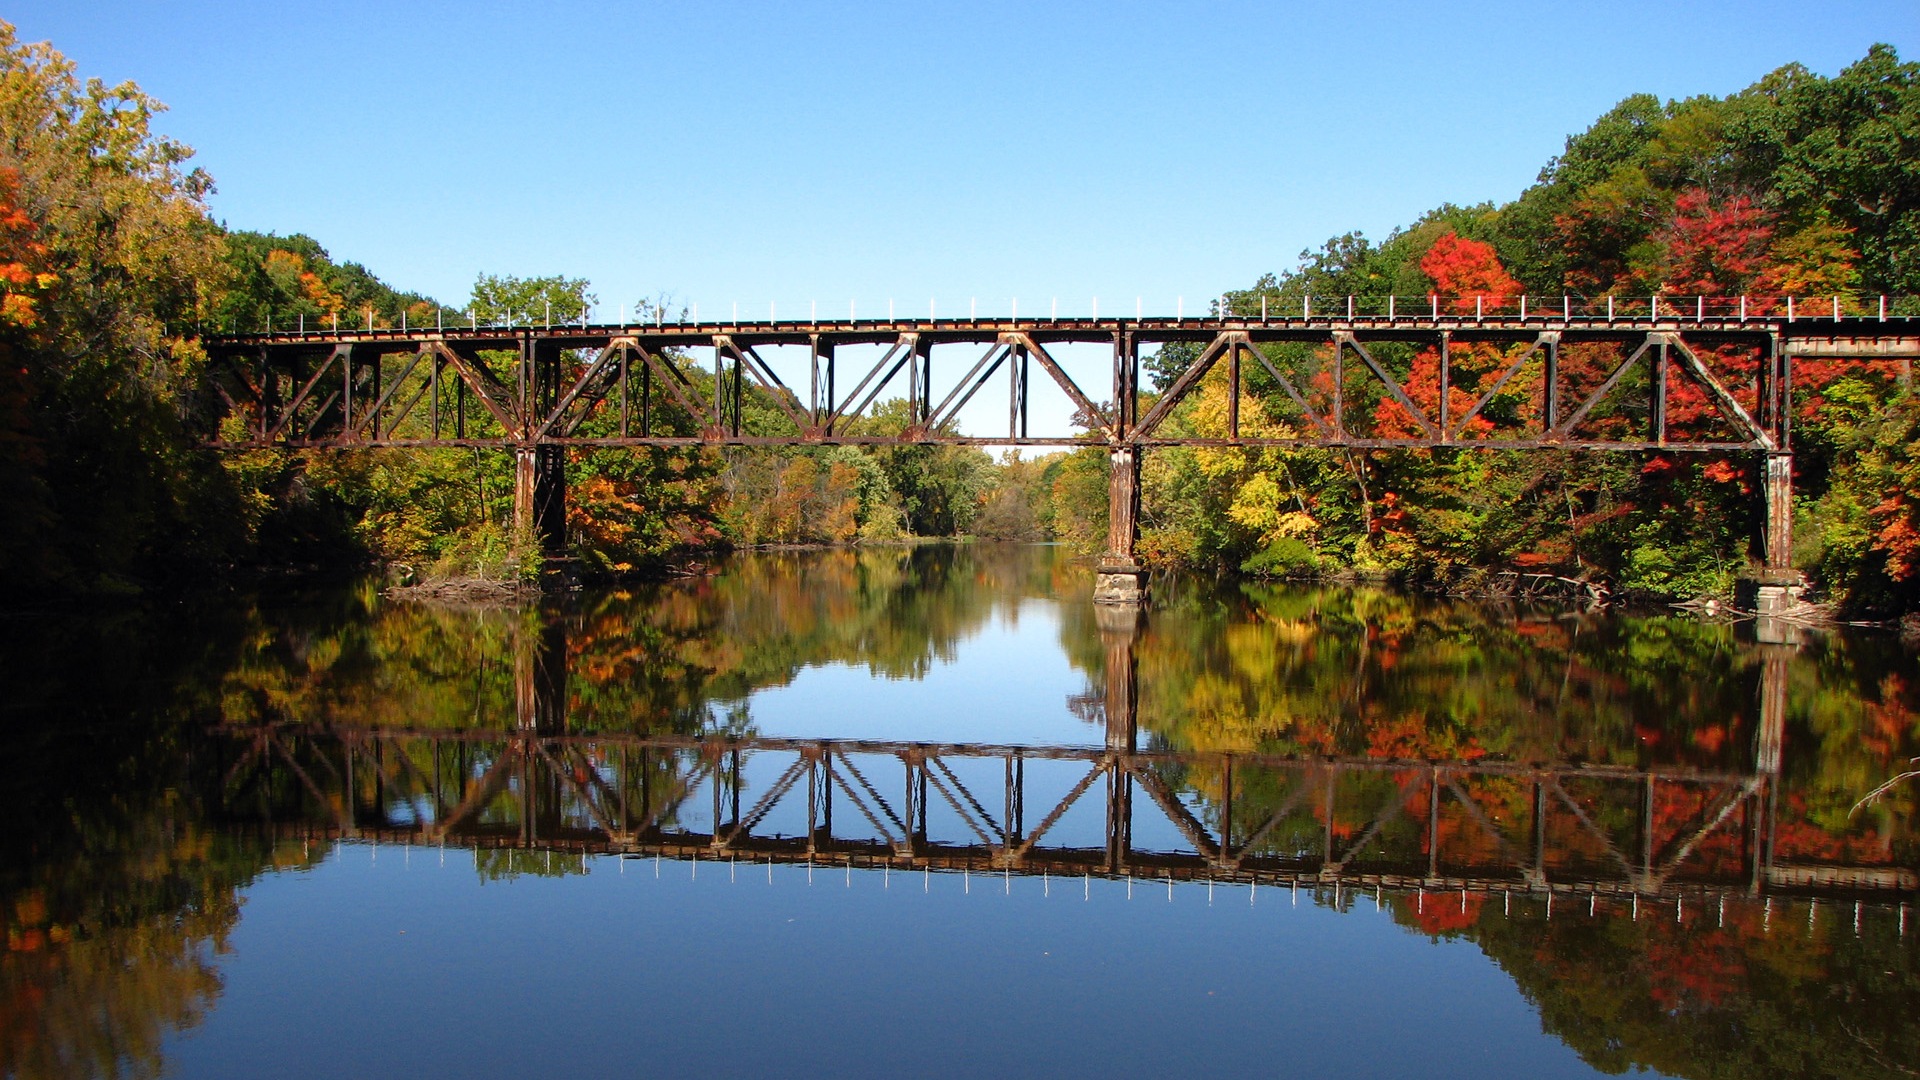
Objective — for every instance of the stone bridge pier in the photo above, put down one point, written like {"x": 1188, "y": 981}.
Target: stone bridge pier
{"x": 1119, "y": 578}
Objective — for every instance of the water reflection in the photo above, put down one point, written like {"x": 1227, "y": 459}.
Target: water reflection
{"x": 1644, "y": 821}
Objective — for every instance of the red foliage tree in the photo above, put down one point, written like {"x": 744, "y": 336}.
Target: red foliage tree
{"x": 1470, "y": 275}
{"x": 1468, "y": 270}
{"x": 1710, "y": 250}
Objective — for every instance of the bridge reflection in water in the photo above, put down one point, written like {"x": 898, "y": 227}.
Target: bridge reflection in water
{"x": 1359, "y": 824}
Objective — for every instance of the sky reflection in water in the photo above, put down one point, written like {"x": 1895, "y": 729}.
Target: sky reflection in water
{"x": 340, "y": 837}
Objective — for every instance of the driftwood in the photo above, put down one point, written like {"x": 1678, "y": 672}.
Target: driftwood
{"x": 1520, "y": 585}
{"x": 464, "y": 591}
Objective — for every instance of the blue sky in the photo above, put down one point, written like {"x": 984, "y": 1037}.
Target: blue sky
{"x": 793, "y": 154}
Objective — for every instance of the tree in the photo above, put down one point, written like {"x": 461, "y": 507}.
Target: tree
{"x": 550, "y": 299}
{"x": 110, "y": 214}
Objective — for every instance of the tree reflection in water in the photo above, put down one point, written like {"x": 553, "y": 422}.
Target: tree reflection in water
{"x": 1351, "y": 739}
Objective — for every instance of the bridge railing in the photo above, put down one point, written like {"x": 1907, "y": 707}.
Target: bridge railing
{"x": 1270, "y": 306}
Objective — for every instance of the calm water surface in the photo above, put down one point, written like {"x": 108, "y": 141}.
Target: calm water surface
{"x": 926, "y": 812}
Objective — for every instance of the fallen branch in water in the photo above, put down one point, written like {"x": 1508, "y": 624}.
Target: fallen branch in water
{"x": 1532, "y": 586}
{"x": 1871, "y": 796}
{"x": 463, "y": 591}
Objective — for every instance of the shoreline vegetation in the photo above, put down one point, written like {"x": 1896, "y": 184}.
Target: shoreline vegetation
{"x": 111, "y": 267}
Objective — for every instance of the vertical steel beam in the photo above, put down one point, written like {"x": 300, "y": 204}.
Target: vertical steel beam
{"x": 269, "y": 391}
{"x": 1770, "y": 739}
{"x": 1226, "y": 804}
{"x": 646, "y": 399}
{"x": 739, "y": 390}
{"x": 346, "y": 391}
{"x": 1233, "y": 390}
{"x": 1646, "y": 831}
{"x": 1017, "y": 370}
{"x": 1433, "y": 822}
{"x": 1339, "y": 410}
{"x": 815, "y": 343}
{"x": 1659, "y": 405}
{"x": 1326, "y": 842}
{"x": 1119, "y": 815}
{"x": 813, "y": 798}
{"x": 1551, "y": 384}
{"x": 1539, "y": 868}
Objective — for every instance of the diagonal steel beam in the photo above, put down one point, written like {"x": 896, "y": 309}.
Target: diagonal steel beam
{"x": 767, "y": 801}
{"x": 895, "y": 358}
{"x": 259, "y": 748}
{"x": 1486, "y": 824}
{"x": 481, "y": 793}
{"x": 494, "y": 395}
{"x": 1381, "y": 817}
{"x": 372, "y": 417}
{"x": 1067, "y": 384}
{"x": 345, "y": 818}
{"x": 860, "y": 804}
{"x": 1182, "y": 386}
{"x": 970, "y": 383}
{"x": 566, "y": 778}
{"x": 591, "y": 387}
{"x": 1733, "y": 801}
{"x": 878, "y": 799}
{"x": 1566, "y": 426}
{"x": 681, "y": 388}
{"x": 1547, "y": 337}
{"x": 342, "y": 353}
{"x": 430, "y": 384}
{"x": 1626, "y": 866}
{"x": 1723, "y": 398}
{"x": 1319, "y": 423}
{"x": 1098, "y": 770}
{"x": 768, "y": 380}
{"x": 940, "y": 785}
{"x": 1177, "y": 813}
{"x": 1273, "y": 821}
{"x": 1392, "y": 384}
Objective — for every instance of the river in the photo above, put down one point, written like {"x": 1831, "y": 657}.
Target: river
{"x": 926, "y": 811}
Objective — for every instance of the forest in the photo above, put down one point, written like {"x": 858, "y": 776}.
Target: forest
{"x": 112, "y": 268}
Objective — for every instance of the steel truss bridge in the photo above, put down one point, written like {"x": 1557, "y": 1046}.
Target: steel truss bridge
{"x": 539, "y": 390}
{"x": 379, "y": 387}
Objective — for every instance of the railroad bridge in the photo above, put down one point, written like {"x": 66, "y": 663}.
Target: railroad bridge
{"x": 1701, "y": 374}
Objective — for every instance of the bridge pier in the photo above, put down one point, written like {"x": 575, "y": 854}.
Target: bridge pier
{"x": 540, "y": 496}
{"x": 1118, "y": 579}
{"x": 1119, "y": 626}
{"x": 1778, "y": 488}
